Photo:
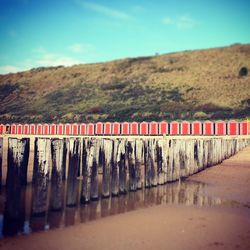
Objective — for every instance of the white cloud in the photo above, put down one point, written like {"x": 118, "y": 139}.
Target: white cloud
{"x": 50, "y": 59}
{"x": 82, "y": 48}
{"x": 182, "y": 22}
{"x": 9, "y": 69}
{"x": 105, "y": 10}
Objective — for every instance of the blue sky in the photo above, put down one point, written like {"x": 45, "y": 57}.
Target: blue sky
{"x": 35, "y": 33}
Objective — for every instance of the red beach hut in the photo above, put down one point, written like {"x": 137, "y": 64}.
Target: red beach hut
{"x": 163, "y": 128}
{"x": 13, "y": 128}
{"x": 220, "y": 128}
{"x": 153, "y": 128}
{"x": 125, "y": 128}
{"x": 174, "y": 128}
{"x": 26, "y": 129}
{"x": 99, "y": 128}
{"x": 75, "y": 129}
{"x": 83, "y": 129}
{"x": 46, "y": 129}
{"x": 32, "y": 129}
{"x": 60, "y": 127}
{"x": 134, "y": 128}
{"x": 144, "y": 128}
{"x": 233, "y": 127}
{"x": 116, "y": 128}
{"x": 90, "y": 129}
{"x": 39, "y": 129}
{"x": 107, "y": 128}
{"x": 208, "y": 128}
{"x": 244, "y": 128}
{"x": 185, "y": 128}
{"x": 52, "y": 129}
{"x": 68, "y": 129}
{"x": 1, "y": 128}
{"x": 196, "y": 128}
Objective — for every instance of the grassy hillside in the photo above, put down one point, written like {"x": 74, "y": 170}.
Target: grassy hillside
{"x": 202, "y": 84}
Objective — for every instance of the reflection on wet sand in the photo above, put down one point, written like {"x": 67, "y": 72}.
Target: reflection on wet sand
{"x": 178, "y": 193}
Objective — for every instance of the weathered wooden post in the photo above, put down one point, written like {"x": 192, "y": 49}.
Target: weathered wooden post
{"x": 138, "y": 162}
{"x": 107, "y": 166}
{"x": 170, "y": 160}
{"x": 131, "y": 165}
{"x": 74, "y": 160}
{"x": 1, "y": 158}
{"x": 90, "y": 161}
{"x": 41, "y": 170}
{"x": 57, "y": 174}
{"x": 65, "y": 150}
{"x": 18, "y": 154}
{"x": 121, "y": 160}
{"x": 115, "y": 168}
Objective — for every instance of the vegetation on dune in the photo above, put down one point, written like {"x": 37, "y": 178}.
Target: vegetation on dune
{"x": 205, "y": 84}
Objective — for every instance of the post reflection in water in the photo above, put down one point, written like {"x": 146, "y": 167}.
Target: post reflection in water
{"x": 177, "y": 193}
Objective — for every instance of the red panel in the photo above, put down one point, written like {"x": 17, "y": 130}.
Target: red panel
{"x": 125, "y": 128}
{"x": 60, "y": 129}
{"x": 26, "y": 129}
{"x": 243, "y": 128}
{"x": 208, "y": 128}
{"x": 233, "y": 128}
{"x": 220, "y": 128}
{"x": 196, "y": 128}
{"x": 46, "y": 129}
{"x": 67, "y": 129}
{"x": 134, "y": 128}
{"x": 174, "y": 128}
{"x": 32, "y": 129}
{"x": 91, "y": 129}
{"x": 99, "y": 128}
{"x": 75, "y": 129}
{"x": 116, "y": 128}
{"x": 107, "y": 128}
{"x": 39, "y": 129}
{"x": 163, "y": 127}
{"x": 185, "y": 128}
{"x": 83, "y": 129}
{"x": 153, "y": 128}
{"x": 144, "y": 128}
{"x": 13, "y": 128}
{"x": 19, "y": 129}
{"x": 1, "y": 128}
{"x": 53, "y": 129}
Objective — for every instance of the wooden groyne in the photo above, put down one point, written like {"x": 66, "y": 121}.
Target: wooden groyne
{"x": 107, "y": 166}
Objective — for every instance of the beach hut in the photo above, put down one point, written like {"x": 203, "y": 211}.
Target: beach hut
{"x": 125, "y": 128}
{"x": 134, "y": 128}
{"x": 163, "y": 128}
{"x": 107, "y": 128}
{"x": 1, "y": 128}
{"x": 116, "y": 128}
{"x": 46, "y": 129}
{"x": 99, "y": 128}
{"x": 32, "y": 129}
{"x": 220, "y": 128}
{"x": 26, "y": 129}
{"x": 60, "y": 128}
{"x": 233, "y": 127}
{"x": 244, "y": 130}
{"x": 13, "y": 128}
{"x": 90, "y": 129}
{"x": 153, "y": 128}
{"x": 52, "y": 129}
{"x": 208, "y": 128}
{"x": 83, "y": 129}
{"x": 185, "y": 128}
{"x": 174, "y": 128}
{"x": 68, "y": 129}
{"x": 75, "y": 129}
{"x": 144, "y": 128}
{"x": 196, "y": 128}
{"x": 39, "y": 129}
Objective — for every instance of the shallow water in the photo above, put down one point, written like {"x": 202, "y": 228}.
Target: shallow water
{"x": 178, "y": 193}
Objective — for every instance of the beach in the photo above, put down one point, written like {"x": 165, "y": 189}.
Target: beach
{"x": 223, "y": 226}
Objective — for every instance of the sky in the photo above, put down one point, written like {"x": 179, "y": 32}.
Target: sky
{"x": 42, "y": 33}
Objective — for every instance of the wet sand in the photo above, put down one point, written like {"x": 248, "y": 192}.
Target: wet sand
{"x": 224, "y": 226}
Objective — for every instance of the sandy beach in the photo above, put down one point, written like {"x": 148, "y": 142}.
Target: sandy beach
{"x": 225, "y": 226}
